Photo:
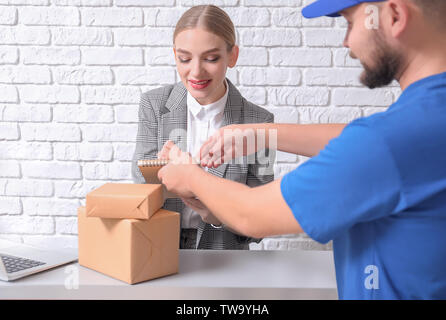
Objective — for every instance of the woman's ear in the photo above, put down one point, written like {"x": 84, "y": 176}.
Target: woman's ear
{"x": 233, "y": 56}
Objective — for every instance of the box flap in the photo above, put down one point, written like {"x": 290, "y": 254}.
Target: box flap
{"x": 142, "y": 252}
{"x": 156, "y": 245}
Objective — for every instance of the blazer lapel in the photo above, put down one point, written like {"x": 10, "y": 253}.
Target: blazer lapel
{"x": 232, "y": 114}
{"x": 173, "y": 124}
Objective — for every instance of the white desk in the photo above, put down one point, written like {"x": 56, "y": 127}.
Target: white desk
{"x": 203, "y": 274}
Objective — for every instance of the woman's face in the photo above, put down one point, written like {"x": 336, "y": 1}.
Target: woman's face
{"x": 202, "y": 59}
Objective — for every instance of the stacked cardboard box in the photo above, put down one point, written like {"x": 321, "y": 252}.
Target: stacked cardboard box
{"x": 124, "y": 233}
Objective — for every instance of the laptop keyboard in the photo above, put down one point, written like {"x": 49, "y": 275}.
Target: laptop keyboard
{"x": 14, "y": 264}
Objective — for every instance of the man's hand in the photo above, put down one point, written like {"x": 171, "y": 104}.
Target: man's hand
{"x": 198, "y": 206}
{"x": 227, "y": 143}
{"x": 177, "y": 174}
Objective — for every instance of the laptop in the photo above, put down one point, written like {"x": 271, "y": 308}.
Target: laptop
{"x": 18, "y": 260}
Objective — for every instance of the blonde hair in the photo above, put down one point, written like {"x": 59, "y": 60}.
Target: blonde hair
{"x": 210, "y": 18}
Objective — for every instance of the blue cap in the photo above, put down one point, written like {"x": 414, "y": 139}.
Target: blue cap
{"x": 330, "y": 8}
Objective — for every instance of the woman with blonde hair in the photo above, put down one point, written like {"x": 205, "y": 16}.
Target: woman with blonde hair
{"x": 189, "y": 112}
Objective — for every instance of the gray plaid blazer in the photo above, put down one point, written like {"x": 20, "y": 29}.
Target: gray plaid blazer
{"x": 163, "y": 116}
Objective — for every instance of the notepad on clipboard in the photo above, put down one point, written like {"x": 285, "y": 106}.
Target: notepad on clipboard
{"x": 149, "y": 170}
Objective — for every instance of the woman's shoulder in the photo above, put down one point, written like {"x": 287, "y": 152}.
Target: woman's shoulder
{"x": 255, "y": 113}
{"x": 158, "y": 94}
{"x": 258, "y": 110}
{"x": 157, "y": 99}
{"x": 251, "y": 110}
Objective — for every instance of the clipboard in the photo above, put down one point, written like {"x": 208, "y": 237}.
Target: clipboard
{"x": 149, "y": 169}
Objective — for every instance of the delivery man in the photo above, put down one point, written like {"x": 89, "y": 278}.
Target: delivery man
{"x": 376, "y": 187}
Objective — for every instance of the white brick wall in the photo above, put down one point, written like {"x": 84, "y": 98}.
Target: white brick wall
{"x": 71, "y": 75}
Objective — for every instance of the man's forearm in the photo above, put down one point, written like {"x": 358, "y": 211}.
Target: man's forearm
{"x": 303, "y": 139}
{"x": 254, "y": 212}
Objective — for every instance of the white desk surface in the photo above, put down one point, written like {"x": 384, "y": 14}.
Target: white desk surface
{"x": 203, "y": 274}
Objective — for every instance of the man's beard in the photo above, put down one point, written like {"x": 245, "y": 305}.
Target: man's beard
{"x": 387, "y": 65}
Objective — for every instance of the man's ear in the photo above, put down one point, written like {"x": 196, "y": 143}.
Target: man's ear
{"x": 175, "y": 53}
{"x": 398, "y": 16}
{"x": 233, "y": 56}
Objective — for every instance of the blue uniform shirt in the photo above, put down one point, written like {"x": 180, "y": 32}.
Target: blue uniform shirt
{"x": 379, "y": 192}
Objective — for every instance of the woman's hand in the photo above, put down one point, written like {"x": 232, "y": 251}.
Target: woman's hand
{"x": 227, "y": 143}
{"x": 171, "y": 152}
{"x": 164, "y": 154}
{"x": 199, "y": 207}
{"x": 177, "y": 174}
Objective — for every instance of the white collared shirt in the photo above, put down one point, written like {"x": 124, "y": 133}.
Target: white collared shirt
{"x": 202, "y": 122}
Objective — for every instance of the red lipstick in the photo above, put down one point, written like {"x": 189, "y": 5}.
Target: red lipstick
{"x": 199, "y": 84}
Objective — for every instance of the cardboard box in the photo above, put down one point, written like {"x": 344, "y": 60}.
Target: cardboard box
{"x": 125, "y": 201}
{"x": 128, "y": 249}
